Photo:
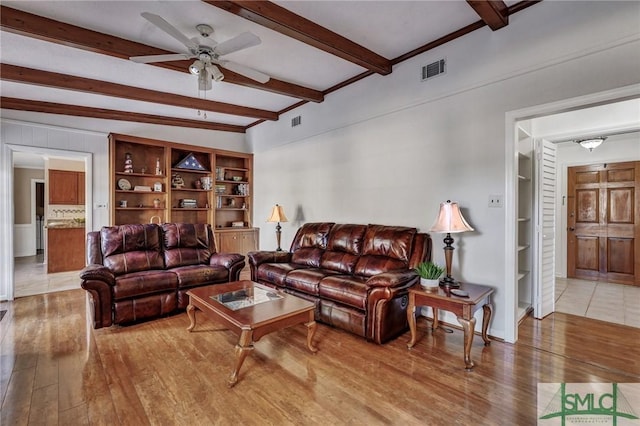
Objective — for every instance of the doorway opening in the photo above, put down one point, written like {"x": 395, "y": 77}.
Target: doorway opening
{"x": 560, "y": 123}
{"x": 30, "y": 169}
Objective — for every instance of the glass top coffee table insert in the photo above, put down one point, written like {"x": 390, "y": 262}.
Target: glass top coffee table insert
{"x": 245, "y": 297}
{"x": 251, "y": 311}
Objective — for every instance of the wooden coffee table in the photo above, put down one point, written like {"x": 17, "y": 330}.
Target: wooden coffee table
{"x": 251, "y": 311}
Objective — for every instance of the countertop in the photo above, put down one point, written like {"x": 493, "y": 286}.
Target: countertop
{"x": 64, "y": 224}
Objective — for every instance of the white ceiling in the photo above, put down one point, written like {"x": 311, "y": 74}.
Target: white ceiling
{"x": 388, "y": 28}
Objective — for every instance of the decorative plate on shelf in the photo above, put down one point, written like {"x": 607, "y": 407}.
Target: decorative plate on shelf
{"x": 124, "y": 184}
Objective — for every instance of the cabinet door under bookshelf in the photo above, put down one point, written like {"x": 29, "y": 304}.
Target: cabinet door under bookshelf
{"x": 139, "y": 181}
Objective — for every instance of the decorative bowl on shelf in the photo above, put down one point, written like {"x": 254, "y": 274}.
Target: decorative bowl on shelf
{"x": 237, "y": 178}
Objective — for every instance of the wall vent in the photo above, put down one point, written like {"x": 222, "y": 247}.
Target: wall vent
{"x": 296, "y": 121}
{"x": 434, "y": 69}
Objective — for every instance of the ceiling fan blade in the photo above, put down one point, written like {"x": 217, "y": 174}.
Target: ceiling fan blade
{"x": 159, "y": 22}
{"x": 160, "y": 58}
{"x": 256, "y": 75}
{"x": 236, "y": 43}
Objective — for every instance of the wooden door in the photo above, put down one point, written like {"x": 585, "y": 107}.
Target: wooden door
{"x": 603, "y": 217}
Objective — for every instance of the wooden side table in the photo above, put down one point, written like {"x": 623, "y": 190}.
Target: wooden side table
{"x": 462, "y": 307}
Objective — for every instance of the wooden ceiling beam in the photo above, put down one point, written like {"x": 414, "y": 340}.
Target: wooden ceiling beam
{"x": 295, "y": 26}
{"x": 494, "y": 13}
{"x": 63, "y": 81}
{"x": 111, "y": 114}
{"x": 29, "y": 25}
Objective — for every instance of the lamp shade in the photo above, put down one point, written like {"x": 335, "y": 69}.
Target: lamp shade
{"x": 450, "y": 219}
{"x": 277, "y": 215}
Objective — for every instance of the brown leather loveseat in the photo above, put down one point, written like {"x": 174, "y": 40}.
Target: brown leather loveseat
{"x": 143, "y": 271}
{"x": 358, "y": 275}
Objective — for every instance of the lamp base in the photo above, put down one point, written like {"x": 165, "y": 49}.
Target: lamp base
{"x": 449, "y": 282}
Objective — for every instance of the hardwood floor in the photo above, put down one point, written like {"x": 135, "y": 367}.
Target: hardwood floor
{"x": 55, "y": 369}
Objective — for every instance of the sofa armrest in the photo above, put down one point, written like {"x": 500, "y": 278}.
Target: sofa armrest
{"x": 233, "y": 262}
{"x": 258, "y": 257}
{"x": 98, "y": 272}
{"x": 227, "y": 260}
{"x": 393, "y": 279}
{"x": 98, "y": 281}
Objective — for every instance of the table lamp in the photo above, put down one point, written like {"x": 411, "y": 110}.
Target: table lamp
{"x": 277, "y": 215}
{"x": 449, "y": 220}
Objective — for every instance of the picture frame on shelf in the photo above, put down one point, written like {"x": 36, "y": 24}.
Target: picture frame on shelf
{"x": 157, "y": 187}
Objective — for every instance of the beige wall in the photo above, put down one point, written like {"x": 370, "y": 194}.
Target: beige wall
{"x": 65, "y": 164}
{"x": 22, "y": 193}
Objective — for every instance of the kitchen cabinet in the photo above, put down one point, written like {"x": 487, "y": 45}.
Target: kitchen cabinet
{"x": 65, "y": 249}
{"x": 66, "y": 187}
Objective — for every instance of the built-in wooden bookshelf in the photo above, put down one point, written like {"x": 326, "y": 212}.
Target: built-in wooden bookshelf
{"x": 150, "y": 182}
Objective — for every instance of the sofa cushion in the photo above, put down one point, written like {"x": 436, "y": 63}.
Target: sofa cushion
{"x": 385, "y": 249}
{"x": 187, "y": 244}
{"x": 344, "y": 245}
{"x": 311, "y": 235}
{"x": 349, "y": 290}
{"x": 274, "y": 273}
{"x": 195, "y": 275}
{"x": 306, "y": 280}
{"x": 144, "y": 283}
{"x": 131, "y": 248}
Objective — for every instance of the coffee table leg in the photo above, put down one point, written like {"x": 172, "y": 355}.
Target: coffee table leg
{"x": 244, "y": 346}
{"x": 191, "y": 313}
{"x": 311, "y": 331}
{"x": 468, "y": 325}
{"x": 486, "y": 317}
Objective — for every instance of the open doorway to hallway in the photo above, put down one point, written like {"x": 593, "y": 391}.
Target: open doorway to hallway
{"x": 614, "y": 114}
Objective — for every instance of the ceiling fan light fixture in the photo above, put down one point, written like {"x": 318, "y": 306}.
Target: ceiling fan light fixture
{"x": 196, "y": 67}
{"x": 591, "y": 143}
{"x": 215, "y": 72}
{"x": 204, "y": 80}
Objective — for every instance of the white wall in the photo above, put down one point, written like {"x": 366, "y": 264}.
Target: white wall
{"x": 390, "y": 149}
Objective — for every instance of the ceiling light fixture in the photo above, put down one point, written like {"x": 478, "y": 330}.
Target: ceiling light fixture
{"x": 591, "y": 143}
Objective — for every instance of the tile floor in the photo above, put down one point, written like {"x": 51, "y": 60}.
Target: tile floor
{"x": 604, "y": 301}
{"x": 31, "y": 277}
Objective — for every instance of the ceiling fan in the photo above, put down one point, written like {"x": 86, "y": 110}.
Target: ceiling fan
{"x": 206, "y": 56}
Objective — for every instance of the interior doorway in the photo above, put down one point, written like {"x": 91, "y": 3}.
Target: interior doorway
{"x": 37, "y": 215}
{"x": 560, "y": 123}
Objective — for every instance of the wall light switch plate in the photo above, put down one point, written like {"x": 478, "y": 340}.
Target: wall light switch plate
{"x": 495, "y": 200}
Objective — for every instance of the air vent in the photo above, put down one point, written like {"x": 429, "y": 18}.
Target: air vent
{"x": 434, "y": 69}
{"x": 296, "y": 121}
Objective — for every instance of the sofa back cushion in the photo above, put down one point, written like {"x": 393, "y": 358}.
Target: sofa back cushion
{"x": 344, "y": 246}
{"x": 131, "y": 248}
{"x": 187, "y": 244}
{"x": 309, "y": 243}
{"x": 385, "y": 249}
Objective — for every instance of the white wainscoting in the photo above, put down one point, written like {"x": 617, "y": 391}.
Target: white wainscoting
{"x": 24, "y": 240}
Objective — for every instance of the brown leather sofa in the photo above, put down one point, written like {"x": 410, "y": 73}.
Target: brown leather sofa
{"x": 358, "y": 275}
{"x": 137, "y": 272}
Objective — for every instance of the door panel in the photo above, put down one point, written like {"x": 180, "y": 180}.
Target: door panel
{"x": 604, "y": 222}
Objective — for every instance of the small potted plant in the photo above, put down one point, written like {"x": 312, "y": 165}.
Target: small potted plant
{"x": 429, "y": 273}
